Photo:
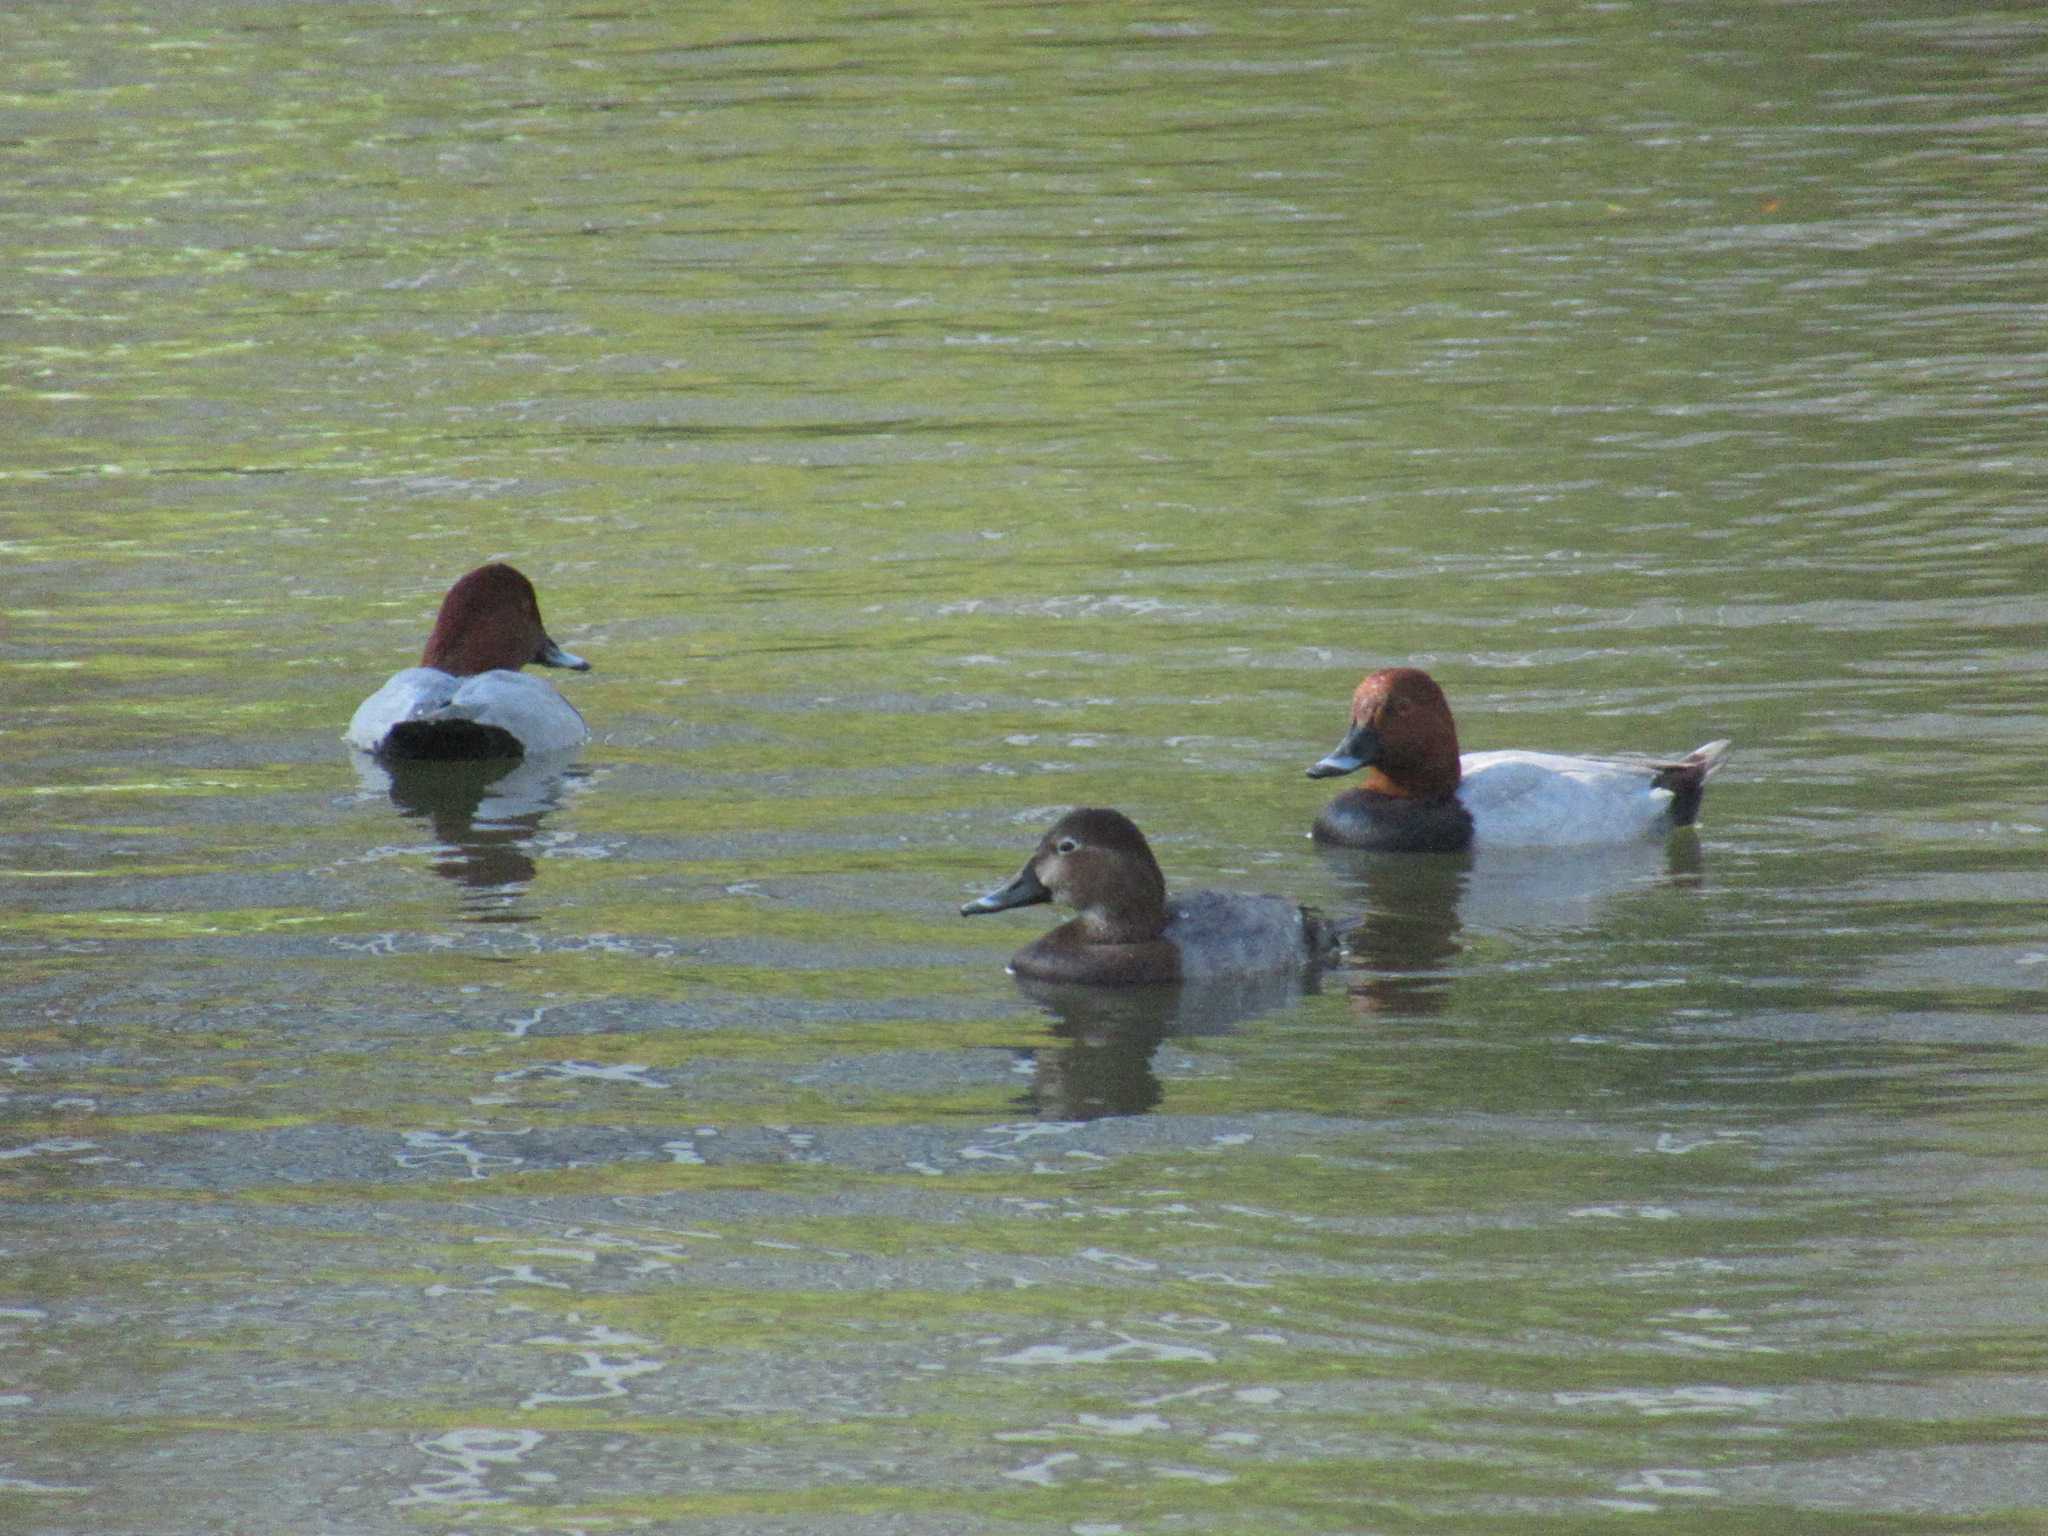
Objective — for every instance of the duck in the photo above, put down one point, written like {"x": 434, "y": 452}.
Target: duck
{"x": 1419, "y": 795}
{"x": 1128, "y": 932}
{"x": 467, "y": 698}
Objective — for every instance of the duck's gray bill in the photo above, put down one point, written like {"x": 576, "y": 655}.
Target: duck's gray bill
{"x": 552, "y": 655}
{"x": 1360, "y": 746}
{"x": 1024, "y": 891}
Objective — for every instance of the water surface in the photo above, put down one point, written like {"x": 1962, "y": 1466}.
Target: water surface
{"x": 926, "y": 420}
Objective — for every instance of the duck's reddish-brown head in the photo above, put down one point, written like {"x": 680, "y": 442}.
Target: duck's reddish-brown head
{"x": 1401, "y": 733}
{"x": 490, "y": 619}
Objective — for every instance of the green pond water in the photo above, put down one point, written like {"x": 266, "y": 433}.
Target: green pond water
{"x": 927, "y": 418}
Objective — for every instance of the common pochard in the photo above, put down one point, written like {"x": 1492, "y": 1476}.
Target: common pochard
{"x": 1419, "y": 795}
{"x": 1128, "y": 931}
{"x": 467, "y": 698}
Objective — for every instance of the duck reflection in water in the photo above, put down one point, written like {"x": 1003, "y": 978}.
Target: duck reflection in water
{"x": 1419, "y": 908}
{"x": 485, "y": 815}
{"x": 1104, "y": 1038}
{"x": 1402, "y": 950}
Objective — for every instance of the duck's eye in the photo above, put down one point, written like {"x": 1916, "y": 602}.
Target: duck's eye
{"x": 1065, "y": 845}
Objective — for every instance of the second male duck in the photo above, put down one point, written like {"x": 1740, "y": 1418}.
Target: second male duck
{"x": 1420, "y": 796}
{"x": 1098, "y": 862}
{"x": 467, "y": 698}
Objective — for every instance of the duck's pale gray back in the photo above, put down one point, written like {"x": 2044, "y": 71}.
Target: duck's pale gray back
{"x": 1223, "y": 933}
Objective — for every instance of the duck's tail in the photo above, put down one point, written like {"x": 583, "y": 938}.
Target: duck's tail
{"x": 1687, "y": 779}
{"x": 1322, "y": 936}
{"x": 449, "y": 736}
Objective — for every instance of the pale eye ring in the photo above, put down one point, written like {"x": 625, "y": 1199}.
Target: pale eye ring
{"x": 1065, "y": 845}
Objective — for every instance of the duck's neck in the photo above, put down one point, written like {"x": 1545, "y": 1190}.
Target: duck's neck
{"x": 1125, "y": 924}
{"x": 1432, "y": 783}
